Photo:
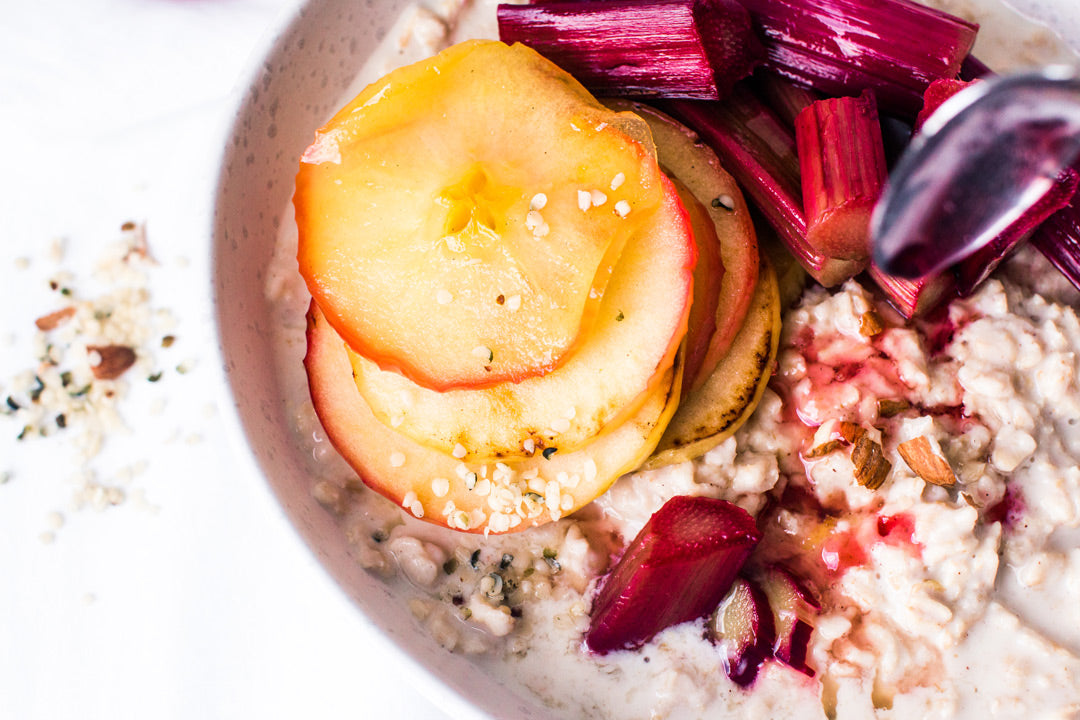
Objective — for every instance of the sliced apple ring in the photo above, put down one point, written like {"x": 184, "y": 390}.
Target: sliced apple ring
{"x": 708, "y": 281}
{"x": 489, "y": 498}
{"x": 459, "y": 219}
{"x": 642, "y": 321}
{"x": 713, "y": 412}
{"x": 685, "y": 157}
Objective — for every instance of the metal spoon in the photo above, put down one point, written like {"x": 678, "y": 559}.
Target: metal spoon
{"x": 987, "y": 155}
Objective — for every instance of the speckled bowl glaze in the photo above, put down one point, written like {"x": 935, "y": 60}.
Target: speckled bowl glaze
{"x": 301, "y": 81}
{"x": 297, "y": 87}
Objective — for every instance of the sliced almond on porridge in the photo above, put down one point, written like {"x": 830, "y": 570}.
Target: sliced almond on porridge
{"x": 824, "y": 449}
{"x": 924, "y": 462}
{"x": 891, "y": 407}
{"x": 851, "y": 432}
{"x": 871, "y": 467}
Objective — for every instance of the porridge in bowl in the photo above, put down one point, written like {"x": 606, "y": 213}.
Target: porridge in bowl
{"x": 912, "y": 484}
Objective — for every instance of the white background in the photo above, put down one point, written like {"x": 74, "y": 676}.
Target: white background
{"x": 200, "y": 602}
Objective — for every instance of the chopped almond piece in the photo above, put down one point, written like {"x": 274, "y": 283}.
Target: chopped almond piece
{"x": 871, "y": 467}
{"x": 890, "y": 408}
{"x": 870, "y": 324}
{"x": 53, "y": 319}
{"x": 823, "y": 449}
{"x": 925, "y": 463}
{"x": 851, "y": 432}
{"x": 115, "y": 359}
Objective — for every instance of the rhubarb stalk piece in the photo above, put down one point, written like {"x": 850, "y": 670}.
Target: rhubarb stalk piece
{"x": 936, "y": 94}
{"x": 895, "y": 47}
{"x": 743, "y": 627}
{"x": 754, "y": 145}
{"x": 678, "y": 568}
{"x": 973, "y": 68}
{"x": 914, "y": 298}
{"x": 842, "y": 164}
{"x": 641, "y": 48}
{"x": 783, "y": 97}
{"x": 794, "y": 610}
{"x": 1059, "y": 240}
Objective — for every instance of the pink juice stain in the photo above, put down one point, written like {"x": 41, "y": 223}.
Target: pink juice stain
{"x": 899, "y": 531}
{"x": 851, "y": 548}
{"x": 1008, "y": 511}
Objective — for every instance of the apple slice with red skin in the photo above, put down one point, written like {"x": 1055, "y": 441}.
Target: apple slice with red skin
{"x": 442, "y": 489}
{"x": 714, "y": 411}
{"x": 441, "y": 188}
{"x": 677, "y": 569}
{"x": 743, "y": 628}
{"x": 641, "y": 322}
{"x": 686, "y": 158}
{"x": 708, "y": 279}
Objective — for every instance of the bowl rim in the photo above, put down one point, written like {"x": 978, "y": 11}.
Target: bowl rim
{"x": 418, "y": 675}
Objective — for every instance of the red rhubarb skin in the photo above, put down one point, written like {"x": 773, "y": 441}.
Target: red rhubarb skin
{"x": 973, "y": 68}
{"x": 643, "y": 48}
{"x": 937, "y": 93}
{"x": 896, "y": 47}
{"x": 677, "y": 569}
{"x": 915, "y": 298}
{"x": 784, "y": 97}
{"x": 842, "y": 164}
{"x": 1059, "y": 240}
{"x": 746, "y": 654}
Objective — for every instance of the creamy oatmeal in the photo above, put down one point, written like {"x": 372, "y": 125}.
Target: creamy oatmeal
{"x": 947, "y": 567}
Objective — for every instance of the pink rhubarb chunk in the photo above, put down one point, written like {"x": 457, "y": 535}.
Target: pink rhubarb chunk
{"x": 935, "y": 96}
{"x": 842, "y": 164}
{"x": 841, "y": 47}
{"x": 794, "y": 610}
{"x": 744, "y": 629}
{"x": 642, "y": 48}
{"x": 759, "y": 151}
{"x": 678, "y": 568}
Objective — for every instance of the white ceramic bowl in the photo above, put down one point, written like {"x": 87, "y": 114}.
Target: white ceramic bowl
{"x": 301, "y": 82}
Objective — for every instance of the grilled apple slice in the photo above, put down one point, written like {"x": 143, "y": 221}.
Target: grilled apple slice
{"x": 473, "y": 497}
{"x": 713, "y": 412}
{"x": 708, "y": 280}
{"x": 693, "y": 163}
{"x": 642, "y": 321}
{"x": 459, "y": 220}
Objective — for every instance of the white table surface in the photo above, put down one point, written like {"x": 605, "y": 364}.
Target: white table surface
{"x": 205, "y": 605}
